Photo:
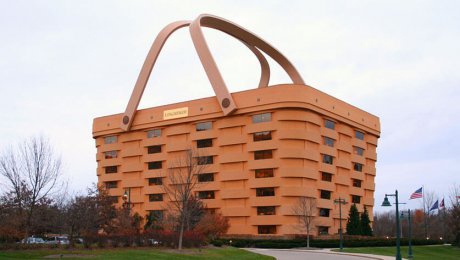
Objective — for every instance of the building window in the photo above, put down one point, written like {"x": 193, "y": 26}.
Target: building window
{"x": 113, "y": 199}
{"x": 155, "y": 181}
{"x": 329, "y": 141}
{"x": 155, "y": 165}
{"x": 325, "y": 194}
{"x": 358, "y": 150}
{"x": 206, "y": 195}
{"x": 154, "y": 133}
{"x": 265, "y": 117}
{"x": 324, "y": 212}
{"x": 204, "y": 126}
{"x": 264, "y": 154}
{"x": 329, "y": 124}
{"x": 322, "y": 230}
{"x": 264, "y": 173}
{"x": 110, "y": 154}
{"x": 202, "y": 160}
{"x": 111, "y": 169}
{"x": 204, "y": 143}
{"x": 326, "y": 176}
{"x": 265, "y": 192}
{"x": 358, "y": 167}
{"x": 110, "y": 139}
{"x": 355, "y": 199}
{"x": 328, "y": 159}
{"x": 205, "y": 177}
{"x": 156, "y": 215}
{"x": 154, "y": 149}
{"x": 111, "y": 185}
{"x": 356, "y": 183}
{"x": 359, "y": 135}
{"x": 156, "y": 197}
{"x": 262, "y": 136}
{"x": 266, "y": 229}
{"x": 268, "y": 210}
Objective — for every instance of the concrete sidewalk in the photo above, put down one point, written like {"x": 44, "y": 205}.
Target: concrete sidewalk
{"x": 303, "y": 253}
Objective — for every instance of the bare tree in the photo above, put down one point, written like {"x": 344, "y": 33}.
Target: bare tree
{"x": 454, "y": 194}
{"x": 183, "y": 179}
{"x": 32, "y": 173}
{"x": 426, "y": 203}
{"x": 305, "y": 210}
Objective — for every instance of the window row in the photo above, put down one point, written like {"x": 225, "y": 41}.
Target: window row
{"x": 331, "y": 125}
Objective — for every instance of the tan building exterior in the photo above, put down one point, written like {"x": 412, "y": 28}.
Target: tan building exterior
{"x": 283, "y": 142}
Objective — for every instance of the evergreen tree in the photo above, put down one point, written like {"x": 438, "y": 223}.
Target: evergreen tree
{"x": 353, "y": 223}
{"x": 366, "y": 229}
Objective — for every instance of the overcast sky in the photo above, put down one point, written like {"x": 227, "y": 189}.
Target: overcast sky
{"x": 63, "y": 63}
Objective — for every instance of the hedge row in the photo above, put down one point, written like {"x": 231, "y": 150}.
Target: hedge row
{"x": 328, "y": 243}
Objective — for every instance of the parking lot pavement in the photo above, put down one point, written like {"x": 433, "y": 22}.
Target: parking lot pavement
{"x": 321, "y": 254}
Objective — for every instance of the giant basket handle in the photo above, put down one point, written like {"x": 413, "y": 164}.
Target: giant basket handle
{"x": 136, "y": 95}
{"x": 253, "y": 42}
{"x": 225, "y": 99}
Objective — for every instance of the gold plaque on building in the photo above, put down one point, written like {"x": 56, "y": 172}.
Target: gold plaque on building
{"x": 175, "y": 113}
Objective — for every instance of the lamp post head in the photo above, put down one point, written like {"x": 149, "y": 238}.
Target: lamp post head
{"x": 125, "y": 195}
{"x": 386, "y": 202}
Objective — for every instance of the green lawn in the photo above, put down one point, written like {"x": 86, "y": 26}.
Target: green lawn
{"x": 135, "y": 254}
{"x": 419, "y": 252}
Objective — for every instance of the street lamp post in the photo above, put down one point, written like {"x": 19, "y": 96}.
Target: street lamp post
{"x": 127, "y": 198}
{"x": 340, "y": 201}
{"x": 410, "y": 256}
{"x": 386, "y": 203}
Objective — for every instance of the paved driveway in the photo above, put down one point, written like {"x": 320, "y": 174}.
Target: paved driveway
{"x": 294, "y": 254}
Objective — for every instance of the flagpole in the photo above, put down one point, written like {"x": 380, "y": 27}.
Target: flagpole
{"x": 424, "y": 211}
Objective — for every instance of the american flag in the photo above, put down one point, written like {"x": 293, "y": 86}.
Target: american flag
{"x": 442, "y": 205}
{"x": 417, "y": 194}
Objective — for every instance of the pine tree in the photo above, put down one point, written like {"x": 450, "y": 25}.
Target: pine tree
{"x": 366, "y": 229}
{"x": 353, "y": 223}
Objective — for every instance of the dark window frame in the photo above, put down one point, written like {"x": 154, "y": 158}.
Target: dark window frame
{"x": 204, "y": 160}
{"x": 325, "y": 176}
{"x": 323, "y": 230}
{"x": 155, "y": 197}
{"x": 206, "y": 177}
{"x": 266, "y": 229}
{"x": 152, "y": 149}
{"x": 327, "y": 159}
{"x": 358, "y": 166}
{"x": 207, "y": 194}
{"x": 325, "y": 194}
{"x": 328, "y": 141}
{"x": 356, "y": 183}
{"x": 111, "y": 154}
{"x": 265, "y": 192}
{"x": 155, "y": 165}
{"x": 329, "y": 124}
{"x": 111, "y": 169}
{"x": 111, "y": 139}
{"x": 266, "y": 210}
{"x": 155, "y": 181}
{"x": 156, "y": 215}
{"x": 323, "y": 212}
{"x": 154, "y": 133}
{"x": 358, "y": 150}
{"x": 262, "y": 136}
{"x": 203, "y": 143}
{"x": 359, "y": 135}
{"x": 263, "y": 154}
{"x": 203, "y": 126}
{"x": 355, "y": 199}
{"x": 261, "y": 118}
{"x": 110, "y": 184}
{"x": 264, "y": 173}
